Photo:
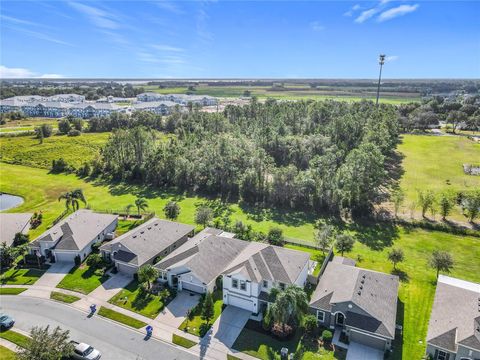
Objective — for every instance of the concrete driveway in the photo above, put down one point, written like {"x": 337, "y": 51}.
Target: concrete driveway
{"x": 109, "y": 288}
{"x": 176, "y": 311}
{"x": 358, "y": 351}
{"x": 228, "y": 326}
{"x": 54, "y": 274}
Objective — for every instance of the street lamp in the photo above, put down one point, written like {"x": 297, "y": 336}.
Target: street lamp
{"x": 381, "y": 61}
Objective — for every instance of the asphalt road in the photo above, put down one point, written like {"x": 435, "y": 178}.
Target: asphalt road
{"x": 115, "y": 342}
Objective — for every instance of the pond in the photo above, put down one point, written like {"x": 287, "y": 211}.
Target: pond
{"x": 8, "y": 201}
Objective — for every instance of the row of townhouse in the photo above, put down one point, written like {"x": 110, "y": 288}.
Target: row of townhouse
{"x": 64, "y": 98}
{"x": 183, "y": 99}
{"x": 83, "y": 110}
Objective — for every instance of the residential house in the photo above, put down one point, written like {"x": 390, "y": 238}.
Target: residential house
{"x": 249, "y": 269}
{"x": 182, "y": 99}
{"x": 74, "y": 236}
{"x": 11, "y": 224}
{"x": 360, "y": 303}
{"x": 148, "y": 242}
{"x": 158, "y": 107}
{"x": 454, "y": 327}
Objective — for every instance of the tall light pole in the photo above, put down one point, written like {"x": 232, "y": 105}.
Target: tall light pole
{"x": 381, "y": 61}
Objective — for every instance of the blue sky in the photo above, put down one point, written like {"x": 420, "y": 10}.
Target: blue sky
{"x": 239, "y": 39}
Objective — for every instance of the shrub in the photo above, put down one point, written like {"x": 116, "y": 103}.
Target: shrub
{"x": 84, "y": 170}
{"x": 77, "y": 260}
{"x": 95, "y": 247}
{"x": 310, "y": 322}
{"x": 64, "y": 126}
{"x": 59, "y": 166}
{"x": 327, "y": 335}
{"x": 282, "y": 330}
{"x": 20, "y": 239}
{"x": 74, "y": 132}
{"x": 95, "y": 261}
{"x": 275, "y": 236}
{"x": 267, "y": 320}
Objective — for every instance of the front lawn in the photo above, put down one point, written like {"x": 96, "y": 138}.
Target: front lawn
{"x": 17, "y": 276}
{"x": 263, "y": 345}
{"x": 134, "y": 298}
{"x": 82, "y": 279}
{"x": 197, "y": 326}
{"x": 11, "y": 291}
{"x": 58, "y": 296}
{"x": 7, "y": 354}
{"x": 180, "y": 340}
{"x": 121, "y": 318}
{"x": 15, "y": 337}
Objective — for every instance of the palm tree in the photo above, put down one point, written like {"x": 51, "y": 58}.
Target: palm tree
{"x": 291, "y": 303}
{"x": 141, "y": 204}
{"x": 147, "y": 274}
{"x": 73, "y": 198}
{"x": 127, "y": 210}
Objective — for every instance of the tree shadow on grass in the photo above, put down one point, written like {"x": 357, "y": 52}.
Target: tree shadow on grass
{"x": 403, "y": 276}
{"x": 376, "y": 236}
{"x": 141, "y": 301}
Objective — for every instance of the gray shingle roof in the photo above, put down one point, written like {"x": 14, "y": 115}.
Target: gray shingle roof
{"x": 209, "y": 256}
{"x": 455, "y": 317}
{"x": 147, "y": 240}
{"x": 77, "y": 230}
{"x": 13, "y": 223}
{"x": 374, "y": 292}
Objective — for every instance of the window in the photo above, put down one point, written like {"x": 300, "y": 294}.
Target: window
{"x": 235, "y": 283}
{"x": 281, "y": 286}
{"x": 265, "y": 283}
{"x": 243, "y": 285}
{"x": 320, "y": 316}
{"x": 442, "y": 355}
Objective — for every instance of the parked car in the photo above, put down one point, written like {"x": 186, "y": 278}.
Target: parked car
{"x": 6, "y": 322}
{"x": 85, "y": 352}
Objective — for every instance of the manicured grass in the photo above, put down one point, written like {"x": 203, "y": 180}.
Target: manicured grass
{"x": 11, "y": 291}
{"x": 121, "y": 318}
{"x": 7, "y": 354}
{"x": 75, "y": 150}
{"x": 126, "y": 225}
{"x": 435, "y": 163}
{"x": 315, "y": 255}
{"x": 133, "y": 298}
{"x": 232, "y": 357}
{"x": 54, "y": 295}
{"x": 20, "y": 276}
{"x": 265, "y": 346}
{"x": 196, "y": 325}
{"x": 82, "y": 279}
{"x": 180, "y": 340}
{"x": 15, "y": 337}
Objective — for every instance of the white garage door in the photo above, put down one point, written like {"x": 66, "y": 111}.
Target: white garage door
{"x": 241, "y": 303}
{"x": 65, "y": 256}
{"x": 367, "y": 340}
{"x": 193, "y": 287}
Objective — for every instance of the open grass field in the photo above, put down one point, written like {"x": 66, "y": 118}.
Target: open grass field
{"x": 435, "y": 163}
{"x": 133, "y": 299}
{"x": 27, "y": 150}
{"x": 30, "y": 123}
{"x": 82, "y": 279}
{"x": 290, "y": 92}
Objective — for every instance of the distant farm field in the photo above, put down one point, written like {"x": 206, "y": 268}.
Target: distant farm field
{"x": 27, "y": 150}
{"x": 436, "y": 163}
{"x": 291, "y": 92}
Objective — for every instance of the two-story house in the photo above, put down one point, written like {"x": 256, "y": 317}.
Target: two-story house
{"x": 248, "y": 269}
{"x": 454, "y": 327}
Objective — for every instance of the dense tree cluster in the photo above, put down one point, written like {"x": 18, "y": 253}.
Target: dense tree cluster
{"x": 312, "y": 155}
{"x": 464, "y": 111}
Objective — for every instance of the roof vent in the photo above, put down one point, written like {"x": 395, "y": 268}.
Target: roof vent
{"x": 134, "y": 236}
{"x": 363, "y": 281}
{"x": 361, "y": 287}
{"x": 156, "y": 224}
{"x": 141, "y": 232}
{"x": 359, "y": 293}
{"x": 149, "y": 228}
{"x": 364, "y": 275}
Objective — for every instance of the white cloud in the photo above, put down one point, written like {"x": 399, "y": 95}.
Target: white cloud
{"x": 169, "y": 6}
{"x": 396, "y": 12}
{"x": 365, "y": 15}
{"x": 391, "y": 58}
{"x": 15, "y": 73}
{"x": 18, "y": 21}
{"x": 168, "y": 48}
{"x": 38, "y": 35}
{"x": 316, "y": 26}
{"x": 97, "y": 16}
{"x": 352, "y": 10}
